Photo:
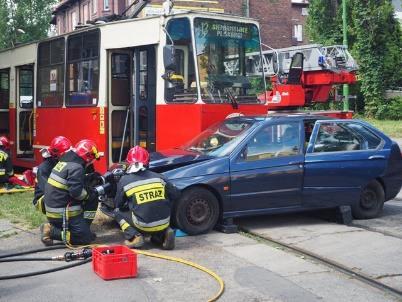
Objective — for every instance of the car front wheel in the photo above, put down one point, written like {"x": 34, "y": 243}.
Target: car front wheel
{"x": 371, "y": 201}
{"x": 197, "y": 211}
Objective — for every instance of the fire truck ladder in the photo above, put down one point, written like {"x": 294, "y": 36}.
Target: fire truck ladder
{"x": 334, "y": 58}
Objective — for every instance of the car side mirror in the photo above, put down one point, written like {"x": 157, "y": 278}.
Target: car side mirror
{"x": 169, "y": 59}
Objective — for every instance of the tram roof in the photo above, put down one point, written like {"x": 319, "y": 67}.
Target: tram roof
{"x": 227, "y": 17}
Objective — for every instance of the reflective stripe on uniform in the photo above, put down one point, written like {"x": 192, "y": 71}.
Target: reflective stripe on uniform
{"x": 124, "y": 225}
{"x": 56, "y": 184}
{"x": 58, "y": 212}
{"x": 142, "y": 182}
{"x": 89, "y": 214}
{"x": 58, "y": 178}
{"x": 2, "y": 172}
{"x": 155, "y": 226}
{"x": 83, "y": 195}
{"x": 146, "y": 193}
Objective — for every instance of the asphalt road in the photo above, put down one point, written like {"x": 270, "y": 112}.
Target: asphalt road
{"x": 252, "y": 270}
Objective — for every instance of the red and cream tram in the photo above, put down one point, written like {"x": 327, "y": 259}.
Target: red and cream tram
{"x": 109, "y": 82}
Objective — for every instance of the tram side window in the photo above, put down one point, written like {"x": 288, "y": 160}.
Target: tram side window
{"x": 182, "y": 88}
{"x": 51, "y": 56}
{"x": 83, "y": 69}
{"x": 4, "y": 89}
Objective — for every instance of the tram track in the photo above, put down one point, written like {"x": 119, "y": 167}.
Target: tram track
{"x": 373, "y": 282}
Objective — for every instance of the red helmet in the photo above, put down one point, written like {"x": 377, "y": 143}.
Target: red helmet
{"x": 87, "y": 150}
{"x": 4, "y": 142}
{"x": 138, "y": 154}
{"x": 59, "y": 146}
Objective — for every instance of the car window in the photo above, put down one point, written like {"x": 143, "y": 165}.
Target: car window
{"x": 333, "y": 137}
{"x": 273, "y": 141}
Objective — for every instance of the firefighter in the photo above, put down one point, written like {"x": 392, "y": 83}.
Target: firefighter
{"x": 51, "y": 156}
{"x": 6, "y": 166}
{"x": 65, "y": 194}
{"x": 143, "y": 203}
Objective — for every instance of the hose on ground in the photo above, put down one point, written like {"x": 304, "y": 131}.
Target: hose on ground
{"x": 45, "y": 271}
{"x": 43, "y": 249}
{"x": 18, "y": 259}
{"x": 41, "y": 272}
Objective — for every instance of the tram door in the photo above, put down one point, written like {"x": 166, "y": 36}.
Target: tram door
{"x": 25, "y": 114}
{"x": 132, "y": 99}
{"x": 4, "y": 101}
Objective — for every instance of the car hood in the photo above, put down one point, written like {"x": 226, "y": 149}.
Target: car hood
{"x": 174, "y": 158}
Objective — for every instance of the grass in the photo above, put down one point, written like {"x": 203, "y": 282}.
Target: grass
{"x": 389, "y": 127}
{"x": 18, "y": 208}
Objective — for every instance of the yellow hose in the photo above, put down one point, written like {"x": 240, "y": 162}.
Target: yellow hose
{"x": 192, "y": 264}
{"x": 173, "y": 259}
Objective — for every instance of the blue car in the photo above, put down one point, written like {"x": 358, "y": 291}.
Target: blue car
{"x": 247, "y": 166}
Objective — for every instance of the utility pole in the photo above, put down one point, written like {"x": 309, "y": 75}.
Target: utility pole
{"x": 345, "y": 42}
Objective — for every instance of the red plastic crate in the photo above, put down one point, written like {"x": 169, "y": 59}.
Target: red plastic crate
{"x": 114, "y": 262}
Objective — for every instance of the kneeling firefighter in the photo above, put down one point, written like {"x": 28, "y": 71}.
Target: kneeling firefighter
{"x": 143, "y": 203}
{"x": 51, "y": 155}
{"x": 66, "y": 196}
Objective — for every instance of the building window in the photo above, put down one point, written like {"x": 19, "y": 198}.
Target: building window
{"x": 304, "y": 11}
{"x": 73, "y": 20}
{"x": 85, "y": 12}
{"x": 50, "y": 92}
{"x": 105, "y": 4}
{"x": 298, "y": 32}
{"x": 94, "y": 6}
{"x": 83, "y": 69}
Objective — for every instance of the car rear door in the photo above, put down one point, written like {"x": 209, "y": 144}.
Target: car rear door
{"x": 342, "y": 156}
{"x": 268, "y": 172}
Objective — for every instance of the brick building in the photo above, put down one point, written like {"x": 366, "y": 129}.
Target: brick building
{"x": 282, "y": 21}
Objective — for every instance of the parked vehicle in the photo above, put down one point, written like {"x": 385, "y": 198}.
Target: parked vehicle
{"x": 246, "y": 166}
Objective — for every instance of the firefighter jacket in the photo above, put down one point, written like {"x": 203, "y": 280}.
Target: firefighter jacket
{"x": 42, "y": 175}
{"x": 6, "y": 166}
{"x": 147, "y": 195}
{"x": 65, "y": 186}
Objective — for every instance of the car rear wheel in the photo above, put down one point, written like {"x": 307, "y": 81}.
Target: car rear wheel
{"x": 197, "y": 211}
{"x": 371, "y": 201}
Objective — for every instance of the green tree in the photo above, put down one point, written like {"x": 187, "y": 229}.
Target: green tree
{"x": 375, "y": 41}
{"x": 324, "y": 23}
{"x": 24, "y": 20}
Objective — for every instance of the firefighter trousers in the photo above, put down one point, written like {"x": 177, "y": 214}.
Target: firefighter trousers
{"x": 125, "y": 220}
{"x": 78, "y": 232}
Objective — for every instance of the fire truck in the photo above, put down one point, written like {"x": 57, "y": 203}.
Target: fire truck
{"x": 155, "y": 81}
{"x": 303, "y": 75}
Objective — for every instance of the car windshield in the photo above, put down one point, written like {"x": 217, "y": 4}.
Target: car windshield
{"x": 221, "y": 138}
{"x": 227, "y": 53}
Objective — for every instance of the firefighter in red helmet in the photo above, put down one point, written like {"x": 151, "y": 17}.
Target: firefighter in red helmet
{"x": 66, "y": 197}
{"x": 6, "y": 166}
{"x": 51, "y": 156}
{"x": 143, "y": 203}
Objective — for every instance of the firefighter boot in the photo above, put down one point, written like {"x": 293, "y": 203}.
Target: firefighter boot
{"x": 136, "y": 242}
{"x": 169, "y": 240}
{"x": 45, "y": 230}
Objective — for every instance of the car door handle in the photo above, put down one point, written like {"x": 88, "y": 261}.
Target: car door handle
{"x": 377, "y": 157}
{"x": 295, "y": 163}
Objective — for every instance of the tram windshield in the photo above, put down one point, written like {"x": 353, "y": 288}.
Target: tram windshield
{"x": 226, "y": 57}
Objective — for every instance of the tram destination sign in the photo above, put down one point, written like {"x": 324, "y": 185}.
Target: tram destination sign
{"x": 224, "y": 29}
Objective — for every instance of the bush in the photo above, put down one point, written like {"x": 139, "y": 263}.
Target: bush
{"x": 389, "y": 109}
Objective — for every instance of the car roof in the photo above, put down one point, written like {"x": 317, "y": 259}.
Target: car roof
{"x": 284, "y": 116}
